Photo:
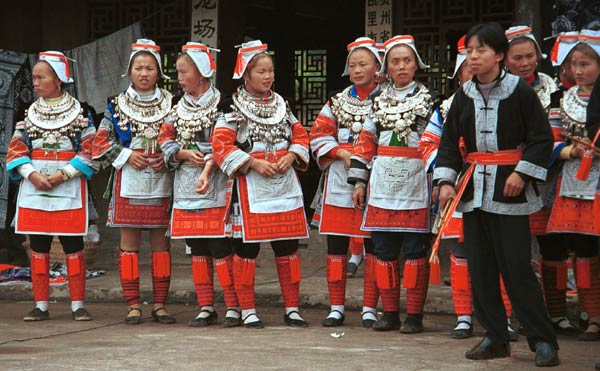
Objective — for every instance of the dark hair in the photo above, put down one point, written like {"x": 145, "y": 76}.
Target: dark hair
{"x": 586, "y": 50}
{"x": 146, "y": 53}
{"x": 490, "y": 34}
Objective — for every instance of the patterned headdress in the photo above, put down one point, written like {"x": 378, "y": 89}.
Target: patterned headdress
{"x": 245, "y": 53}
{"x": 149, "y": 46}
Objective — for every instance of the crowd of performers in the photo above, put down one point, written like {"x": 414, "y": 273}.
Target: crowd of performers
{"x": 221, "y": 172}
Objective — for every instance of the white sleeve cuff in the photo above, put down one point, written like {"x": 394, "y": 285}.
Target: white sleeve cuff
{"x": 25, "y": 170}
{"x": 122, "y": 158}
{"x": 72, "y": 170}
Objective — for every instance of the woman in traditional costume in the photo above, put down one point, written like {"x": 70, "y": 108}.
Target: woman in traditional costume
{"x": 201, "y": 192}
{"x": 260, "y": 143}
{"x": 574, "y": 214}
{"x": 51, "y": 153}
{"x": 332, "y": 138}
{"x": 386, "y": 159}
{"x": 127, "y": 140}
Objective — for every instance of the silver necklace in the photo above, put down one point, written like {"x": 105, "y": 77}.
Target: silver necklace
{"x": 574, "y": 112}
{"x": 351, "y": 112}
{"x": 393, "y": 113}
{"x": 52, "y": 122}
{"x": 144, "y": 118}
{"x": 544, "y": 90}
{"x": 188, "y": 120}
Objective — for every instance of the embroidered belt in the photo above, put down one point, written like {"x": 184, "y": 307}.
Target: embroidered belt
{"x": 393, "y": 151}
{"x": 272, "y": 156}
{"x": 42, "y": 154}
{"x": 505, "y": 157}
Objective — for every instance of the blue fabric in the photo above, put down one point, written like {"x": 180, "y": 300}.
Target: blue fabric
{"x": 86, "y": 170}
{"x": 13, "y": 165}
{"x": 555, "y": 154}
{"x": 388, "y": 245}
{"x": 124, "y": 136}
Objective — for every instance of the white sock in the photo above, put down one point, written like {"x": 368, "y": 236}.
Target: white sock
{"x": 356, "y": 259}
{"x": 76, "y": 304}
{"x": 336, "y": 315}
{"x": 562, "y": 322}
{"x": 204, "y": 314}
{"x": 42, "y": 305}
{"x": 510, "y": 328}
{"x": 460, "y": 325}
{"x": 233, "y": 312}
{"x": 369, "y": 313}
{"x": 249, "y": 315}
{"x": 295, "y": 315}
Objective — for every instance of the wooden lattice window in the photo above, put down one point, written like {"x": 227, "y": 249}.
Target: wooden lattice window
{"x": 310, "y": 78}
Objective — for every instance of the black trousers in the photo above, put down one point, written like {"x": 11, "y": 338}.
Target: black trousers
{"x": 556, "y": 246}
{"x": 250, "y": 250}
{"x": 217, "y": 248}
{"x": 338, "y": 245}
{"x": 500, "y": 244}
{"x": 42, "y": 243}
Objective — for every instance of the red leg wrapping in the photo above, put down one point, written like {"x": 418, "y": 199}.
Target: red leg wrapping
{"x": 243, "y": 280}
{"x": 295, "y": 272}
{"x": 410, "y": 274}
{"x": 371, "y": 292}
{"x": 40, "y": 277}
{"x": 76, "y": 272}
{"x": 161, "y": 275}
{"x": 461, "y": 286}
{"x": 290, "y": 290}
{"x": 130, "y": 277}
{"x": 202, "y": 274}
{"x": 225, "y": 273}
{"x": 336, "y": 278}
{"x": 591, "y": 295}
{"x": 356, "y": 245}
{"x": 415, "y": 297}
{"x": 387, "y": 282}
{"x": 554, "y": 295}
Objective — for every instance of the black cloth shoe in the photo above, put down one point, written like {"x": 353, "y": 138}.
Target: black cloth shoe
{"x": 36, "y": 314}
{"x": 512, "y": 334}
{"x": 352, "y": 268}
{"x": 204, "y": 321}
{"x": 294, "y": 322}
{"x": 486, "y": 349}
{"x": 389, "y": 321}
{"x": 133, "y": 320}
{"x": 568, "y": 328}
{"x": 256, "y": 324}
{"x": 81, "y": 314}
{"x": 590, "y": 336}
{"x": 366, "y": 322}
{"x": 462, "y": 333}
{"x": 232, "y": 321}
{"x": 413, "y": 324}
{"x": 166, "y": 319}
{"x": 333, "y": 321}
{"x": 546, "y": 355}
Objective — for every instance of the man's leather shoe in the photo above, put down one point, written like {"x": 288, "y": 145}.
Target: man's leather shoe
{"x": 546, "y": 355}
{"x": 486, "y": 349}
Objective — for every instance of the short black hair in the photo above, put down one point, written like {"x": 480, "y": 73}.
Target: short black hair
{"x": 490, "y": 34}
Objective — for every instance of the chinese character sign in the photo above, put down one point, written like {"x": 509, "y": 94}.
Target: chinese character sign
{"x": 378, "y": 19}
{"x": 205, "y": 22}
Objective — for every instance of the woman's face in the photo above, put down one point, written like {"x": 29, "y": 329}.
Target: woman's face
{"x": 259, "y": 78}
{"x": 521, "y": 59}
{"x": 45, "y": 82}
{"x": 144, "y": 72}
{"x": 585, "y": 69}
{"x": 401, "y": 65}
{"x": 362, "y": 68}
{"x": 189, "y": 78}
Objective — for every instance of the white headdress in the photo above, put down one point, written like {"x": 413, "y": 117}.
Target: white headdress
{"x": 202, "y": 57}
{"x": 407, "y": 40}
{"x": 149, "y": 46}
{"x": 59, "y": 63}
{"x": 361, "y": 42}
{"x": 245, "y": 54}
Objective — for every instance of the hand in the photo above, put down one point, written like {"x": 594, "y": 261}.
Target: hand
{"x": 344, "y": 155}
{"x": 447, "y": 192}
{"x": 137, "y": 161}
{"x": 285, "y": 162}
{"x": 40, "y": 181}
{"x": 358, "y": 197}
{"x": 158, "y": 164}
{"x": 263, "y": 167}
{"x": 435, "y": 193}
{"x": 191, "y": 155}
{"x": 514, "y": 185}
{"x": 203, "y": 184}
{"x": 55, "y": 179}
